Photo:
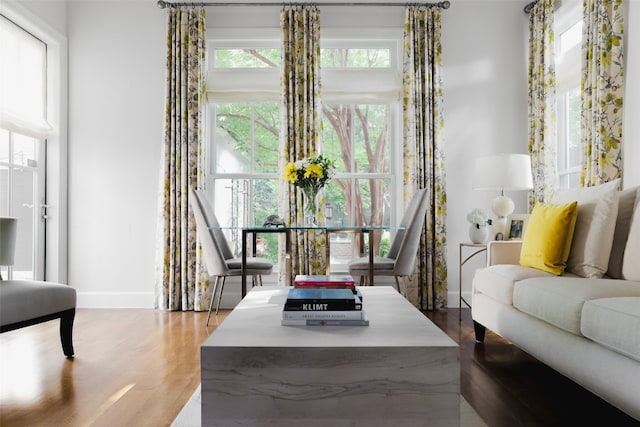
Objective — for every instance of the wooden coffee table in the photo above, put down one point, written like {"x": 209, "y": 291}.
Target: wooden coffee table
{"x": 402, "y": 370}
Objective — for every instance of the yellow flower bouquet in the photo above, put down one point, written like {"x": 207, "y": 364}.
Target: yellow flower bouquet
{"x": 311, "y": 175}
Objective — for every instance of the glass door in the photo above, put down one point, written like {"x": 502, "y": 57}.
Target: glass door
{"x": 22, "y": 196}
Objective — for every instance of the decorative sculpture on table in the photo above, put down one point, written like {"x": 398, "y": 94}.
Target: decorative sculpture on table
{"x": 310, "y": 175}
{"x": 479, "y": 229}
{"x": 273, "y": 221}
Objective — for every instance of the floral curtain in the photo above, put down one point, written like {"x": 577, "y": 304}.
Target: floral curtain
{"x": 181, "y": 281}
{"x": 602, "y": 91}
{"x": 542, "y": 110}
{"x": 301, "y": 127}
{"x": 423, "y": 146}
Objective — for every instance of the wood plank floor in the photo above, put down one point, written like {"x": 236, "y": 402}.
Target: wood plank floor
{"x": 139, "y": 367}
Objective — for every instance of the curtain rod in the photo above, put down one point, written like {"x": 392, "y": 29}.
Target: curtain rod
{"x": 529, "y": 6}
{"x": 165, "y": 4}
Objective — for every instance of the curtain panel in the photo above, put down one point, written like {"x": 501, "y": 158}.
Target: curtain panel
{"x": 181, "y": 280}
{"x": 602, "y": 87}
{"x": 542, "y": 103}
{"x": 423, "y": 147}
{"x": 301, "y": 128}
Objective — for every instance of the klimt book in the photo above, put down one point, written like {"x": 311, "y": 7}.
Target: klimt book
{"x": 320, "y": 299}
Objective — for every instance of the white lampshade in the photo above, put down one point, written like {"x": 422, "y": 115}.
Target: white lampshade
{"x": 511, "y": 172}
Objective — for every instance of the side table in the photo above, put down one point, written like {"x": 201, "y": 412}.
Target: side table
{"x": 476, "y": 248}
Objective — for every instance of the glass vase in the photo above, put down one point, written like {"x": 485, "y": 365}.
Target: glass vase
{"x": 310, "y": 206}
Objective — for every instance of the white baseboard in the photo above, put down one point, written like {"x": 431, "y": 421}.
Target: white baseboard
{"x": 116, "y": 300}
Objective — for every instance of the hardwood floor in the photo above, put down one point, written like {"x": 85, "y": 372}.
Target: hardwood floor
{"x": 509, "y": 388}
{"x": 139, "y": 367}
{"x": 131, "y": 368}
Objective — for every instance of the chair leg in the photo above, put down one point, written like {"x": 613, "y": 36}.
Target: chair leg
{"x": 403, "y": 290}
{"x": 213, "y": 297}
{"x": 220, "y": 296}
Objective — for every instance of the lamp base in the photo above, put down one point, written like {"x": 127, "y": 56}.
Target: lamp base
{"x": 503, "y": 206}
{"x": 499, "y": 225}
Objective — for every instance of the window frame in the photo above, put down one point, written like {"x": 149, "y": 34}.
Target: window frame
{"x": 226, "y": 85}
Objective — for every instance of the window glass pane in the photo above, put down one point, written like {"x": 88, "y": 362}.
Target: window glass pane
{"x": 24, "y": 150}
{"x": 371, "y": 138}
{"x": 4, "y": 190}
{"x": 368, "y": 204}
{"x": 4, "y": 146}
{"x": 23, "y": 209}
{"x": 266, "y": 116}
{"x": 247, "y": 202}
{"x": 246, "y": 138}
{"x": 359, "y": 136}
{"x": 355, "y": 58}
{"x": 574, "y": 148}
{"x": 246, "y": 58}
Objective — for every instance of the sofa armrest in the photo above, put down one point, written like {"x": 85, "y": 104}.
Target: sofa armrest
{"x": 503, "y": 252}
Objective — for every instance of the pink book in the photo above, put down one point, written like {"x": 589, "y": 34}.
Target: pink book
{"x": 317, "y": 281}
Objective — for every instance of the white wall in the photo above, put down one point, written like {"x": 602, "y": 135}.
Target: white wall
{"x": 116, "y": 98}
{"x": 116, "y": 105}
{"x": 485, "y": 95}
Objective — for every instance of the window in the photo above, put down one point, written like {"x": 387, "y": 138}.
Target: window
{"x": 360, "y": 92}
{"x": 23, "y": 127}
{"x": 568, "y": 28}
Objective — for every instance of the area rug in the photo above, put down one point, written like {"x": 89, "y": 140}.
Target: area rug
{"x": 190, "y": 414}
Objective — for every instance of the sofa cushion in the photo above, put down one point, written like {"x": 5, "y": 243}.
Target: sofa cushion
{"x": 630, "y": 263}
{"x": 614, "y": 323}
{"x": 626, "y": 204}
{"x": 497, "y": 281}
{"x": 595, "y": 226}
{"x": 22, "y": 300}
{"x": 547, "y": 239}
{"x": 559, "y": 301}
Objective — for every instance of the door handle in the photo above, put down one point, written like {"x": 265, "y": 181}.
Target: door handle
{"x": 43, "y": 212}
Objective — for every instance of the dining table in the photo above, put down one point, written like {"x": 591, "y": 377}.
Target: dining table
{"x": 254, "y": 231}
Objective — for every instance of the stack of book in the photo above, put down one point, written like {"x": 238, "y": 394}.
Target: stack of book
{"x": 324, "y": 301}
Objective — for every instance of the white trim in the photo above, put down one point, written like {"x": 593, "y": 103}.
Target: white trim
{"x": 115, "y": 300}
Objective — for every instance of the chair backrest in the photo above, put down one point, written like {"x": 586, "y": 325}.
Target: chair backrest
{"x": 407, "y": 254}
{"x": 405, "y": 221}
{"x": 213, "y": 257}
{"x": 8, "y": 230}
{"x": 212, "y": 220}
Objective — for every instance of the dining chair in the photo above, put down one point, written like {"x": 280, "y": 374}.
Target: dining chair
{"x": 401, "y": 259}
{"x": 218, "y": 256}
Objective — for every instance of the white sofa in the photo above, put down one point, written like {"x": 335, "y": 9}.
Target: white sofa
{"x": 588, "y": 329}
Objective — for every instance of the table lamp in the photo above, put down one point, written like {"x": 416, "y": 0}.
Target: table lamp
{"x": 511, "y": 172}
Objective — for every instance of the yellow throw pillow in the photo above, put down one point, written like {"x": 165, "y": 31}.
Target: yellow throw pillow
{"x": 547, "y": 239}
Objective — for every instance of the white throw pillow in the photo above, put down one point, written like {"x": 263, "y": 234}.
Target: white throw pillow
{"x": 630, "y": 265}
{"x": 626, "y": 204}
{"x": 595, "y": 226}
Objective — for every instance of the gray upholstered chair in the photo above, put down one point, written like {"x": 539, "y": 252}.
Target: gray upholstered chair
{"x": 401, "y": 259}
{"x": 218, "y": 256}
{"x": 29, "y": 302}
